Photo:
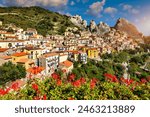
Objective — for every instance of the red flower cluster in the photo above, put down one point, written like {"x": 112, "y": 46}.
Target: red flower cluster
{"x": 3, "y": 92}
{"x": 76, "y": 83}
{"x": 59, "y": 82}
{"x": 93, "y": 83}
{"x": 15, "y": 86}
{"x": 111, "y": 77}
{"x": 70, "y": 98}
{"x": 55, "y": 76}
{"x": 127, "y": 81}
{"x": 82, "y": 80}
{"x": 44, "y": 97}
{"x": 35, "y": 87}
{"x": 71, "y": 77}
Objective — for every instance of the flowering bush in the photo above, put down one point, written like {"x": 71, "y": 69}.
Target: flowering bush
{"x": 78, "y": 89}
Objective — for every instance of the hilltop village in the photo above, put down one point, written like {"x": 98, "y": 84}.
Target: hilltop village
{"x": 52, "y": 52}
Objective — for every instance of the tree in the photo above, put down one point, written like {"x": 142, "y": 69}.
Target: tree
{"x": 11, "y": 72}
{"x": 137, "y": 60}
{"x": 121, "y": 57}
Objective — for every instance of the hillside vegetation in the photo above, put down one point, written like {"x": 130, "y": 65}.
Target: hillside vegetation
{"x": 45, "y": 21}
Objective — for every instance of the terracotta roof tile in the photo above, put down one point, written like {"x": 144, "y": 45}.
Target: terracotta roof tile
{"x": 50, "y": 54}
{"x": 35, "y": 70}
{"x": 66, "y": 63}
{"x": 19, "y": 54}
{"x": 74, "y": 51}
{"x": 3, "y": 49}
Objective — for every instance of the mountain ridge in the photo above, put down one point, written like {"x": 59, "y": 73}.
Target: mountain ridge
{"x": 36, "y": 17}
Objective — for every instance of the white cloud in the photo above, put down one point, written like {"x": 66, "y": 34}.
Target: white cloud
{"x": 72, "y": 3}
{"x": 44, "y": 3}
{"x": 96, "y": 8}
{"x": 130, "y": 9}
{"x": 110, "y": 10}
{"x": 127, "y": 7}
{"x": 143, "y": 24}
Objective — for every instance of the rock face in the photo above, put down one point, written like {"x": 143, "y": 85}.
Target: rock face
{"x": 127, "y": 27}
{"x": 84, "y": 23}
{"x": 92, "y": 26}
{"x": 103, "y": 28}
{"x": 78, "y": 21}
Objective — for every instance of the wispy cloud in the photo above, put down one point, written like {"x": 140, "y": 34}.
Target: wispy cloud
{"x": 110, "y": 10}
{"x": 44, "y": 3}
{"x": 96, "y": 8}
{"x": 72, "y": 3}
{"x": 130, "y": 9}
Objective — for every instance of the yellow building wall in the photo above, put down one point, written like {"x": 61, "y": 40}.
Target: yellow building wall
{"x": 92, "y": 53}
{"x": 26, "y": 65}
{"x": 34, "y": 53}
{"x": 16, "y": 59}
{"x": 76, "y": 57}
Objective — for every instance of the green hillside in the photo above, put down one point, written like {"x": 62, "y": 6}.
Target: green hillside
{"x": 45, "y": 21}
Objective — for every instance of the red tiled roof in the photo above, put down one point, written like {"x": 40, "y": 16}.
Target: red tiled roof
{"x": 50, "y": 54}
{"x": 11, "y": 37}
{"x": 74, "y": 51}
{"x": 3, "y": 49}
{"x": 19, "y": 54}
{"x": 66, "y": 63}
{"x": 35, "y": 70}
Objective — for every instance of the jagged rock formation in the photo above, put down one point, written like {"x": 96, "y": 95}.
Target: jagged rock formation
{"x": 103, "y": 28}
{"x": 127, "y": 27}
{"x": 78, "y": 21}
{"x": 92, "y": 26}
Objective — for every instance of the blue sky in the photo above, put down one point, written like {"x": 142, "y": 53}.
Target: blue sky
{"x": 136, "y": 11}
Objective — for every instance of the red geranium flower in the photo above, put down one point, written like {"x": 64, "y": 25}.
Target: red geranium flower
{"x": 35, "y": 86}
{"x": 94, "y": 80}
{"x": 82, "y": 80}
{"x": 70, "y": 98}
{"x": 71, "y": 77}
{"x": 3, "y": 92}
{"x": 76, "y": 83}
{"x": 55, "y": 76}
{"x": 15, "y": 86}
{"x": 44, "y": 97}
{"x": 92, "y": 85}
{"x": 59, "y": 82}
{"x": 111, "y": 77}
